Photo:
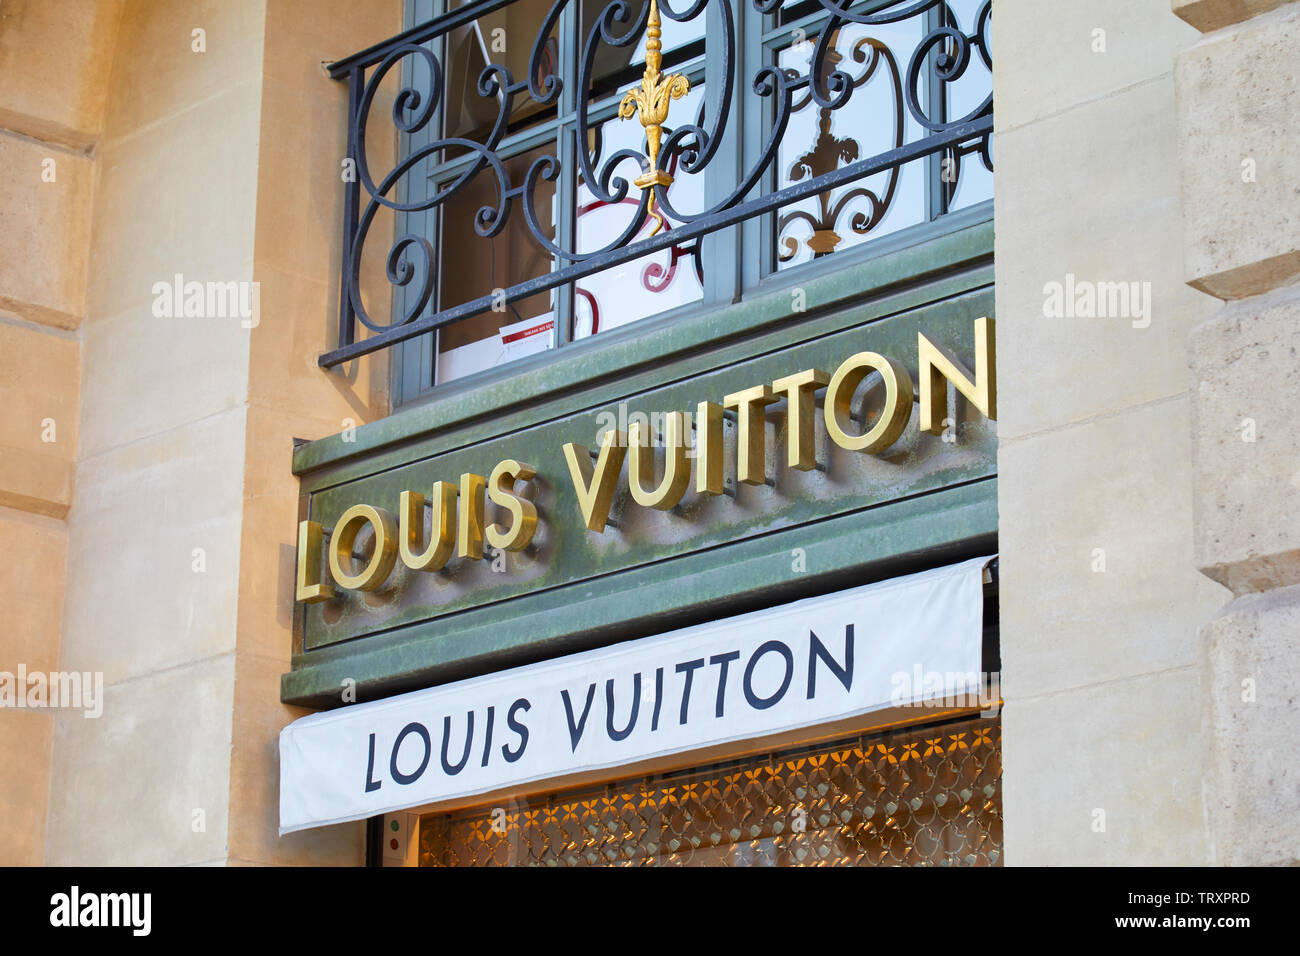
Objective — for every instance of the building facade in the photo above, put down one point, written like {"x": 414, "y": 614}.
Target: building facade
{"x": 384, "y": 371}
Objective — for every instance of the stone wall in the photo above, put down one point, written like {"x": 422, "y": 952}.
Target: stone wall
{"x": 153, "y": 557}
{"x": 1104, "y": 751}
{"x": 1238, "y": 96}
{"x": 54, "y": 58}
{"x": 198, "y": 138}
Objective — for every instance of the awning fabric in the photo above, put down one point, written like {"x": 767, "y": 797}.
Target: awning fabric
{"x": 819, "y": 661}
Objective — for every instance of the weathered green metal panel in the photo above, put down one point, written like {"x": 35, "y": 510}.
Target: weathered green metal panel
{"x": 855, "y": 548}
{"x": 863, "y": 516}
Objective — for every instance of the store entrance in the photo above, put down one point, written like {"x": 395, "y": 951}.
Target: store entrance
{"x": 927, "y": 795}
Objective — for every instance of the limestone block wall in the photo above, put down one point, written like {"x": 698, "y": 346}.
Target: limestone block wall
{"x": 297, "y": 243}
{"x": 154, "y": 529}
{"x": 218, "y": 161}
{"x": 1104, "y": 749}
{"x": 1237, "y": 98}
{"x": 53, "y": 57}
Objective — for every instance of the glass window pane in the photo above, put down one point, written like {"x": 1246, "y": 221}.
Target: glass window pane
{"x": 615, "y": 65}
{"x": 792, "y": 10}
{"x": 818, "y": 141}
{"x": 472, "y": 266}
{"x": 967, "y": 180}
{"x": 504, "y": 37}
{"x": 654, "y": 283}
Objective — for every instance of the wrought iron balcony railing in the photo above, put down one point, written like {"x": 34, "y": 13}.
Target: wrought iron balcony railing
{"x": 415, "y": 62}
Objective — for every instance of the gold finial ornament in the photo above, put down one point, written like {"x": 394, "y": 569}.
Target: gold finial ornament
{"x": 650, "y": 103}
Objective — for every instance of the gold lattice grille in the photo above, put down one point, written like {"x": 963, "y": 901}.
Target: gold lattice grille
{"x": 927, "y": 796}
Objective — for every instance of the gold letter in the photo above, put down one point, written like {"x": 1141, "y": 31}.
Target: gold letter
{"x": 442, "y": 538}
{"x": 374, "y": 575}
{"x": 310, "y": 587}
{"x": 893, "y": 417}
{"x": 641, "y": 468}
{"x": 469, "y": 535}
{"x": 708, "y": 448}
{"x": 595, "y": 486}
{"x": 799, "y": 389}
{"x": 937, "y": 364}
{"x": 751, "y": 432}
{"x": 523, "y": 513}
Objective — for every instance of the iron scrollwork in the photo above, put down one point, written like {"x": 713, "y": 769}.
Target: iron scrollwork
{"x": 687, "y": 147}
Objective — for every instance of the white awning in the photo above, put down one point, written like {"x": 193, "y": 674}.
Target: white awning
{"x": 823, "y": 662}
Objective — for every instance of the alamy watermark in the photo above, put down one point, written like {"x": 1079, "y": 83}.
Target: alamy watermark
{"x": 921, "y": 687}
{"x": 621, "y": 420}
{"x": 1084, "y": 299}
{"x": 64, "y": 690}
{"x": 180, "y": 299}
{"x": 133, "y": 911}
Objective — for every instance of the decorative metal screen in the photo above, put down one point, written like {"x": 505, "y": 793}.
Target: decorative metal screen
{"x": 929, "y": 796}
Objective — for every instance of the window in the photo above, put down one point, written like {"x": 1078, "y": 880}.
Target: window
{"x": 518, "y": 170}
{"x": 819, "y": 140}
{"x": 571, "y": 210}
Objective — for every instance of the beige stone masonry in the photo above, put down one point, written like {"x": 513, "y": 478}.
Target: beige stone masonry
{"x": 1097, "y": 576}
{"x": 1208, "y": 15}
{"x": 1253, "y": 711}
{"x": 40, "y": 374}
{"x": 297, "y": 244}
{"x": 221, "y": 164}
{"x": 1246, "y": 367}
{"x": 142, "y": 785}
{"x": 44, "y": 231}
{"x": 31, "y": 591}
{"x": 1103, "y": 749}
{"x": 24, "y": 742}
{"x": 1056, "y": 361}
{"x": 35, "y": 482}
{"x": 1238, "y": 96}
{"x": 154, "y": 529}
{"x": 1106, "y": 775}
{"x": 55, "y": 58}
{"x": 1068, "y": 52}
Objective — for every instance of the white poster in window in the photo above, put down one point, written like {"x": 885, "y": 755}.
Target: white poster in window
{"x": 513, "y": 341}
{"x": 529, "y": 337}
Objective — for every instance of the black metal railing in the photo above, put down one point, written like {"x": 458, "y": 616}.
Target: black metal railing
{"x": 941, "y": 57}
